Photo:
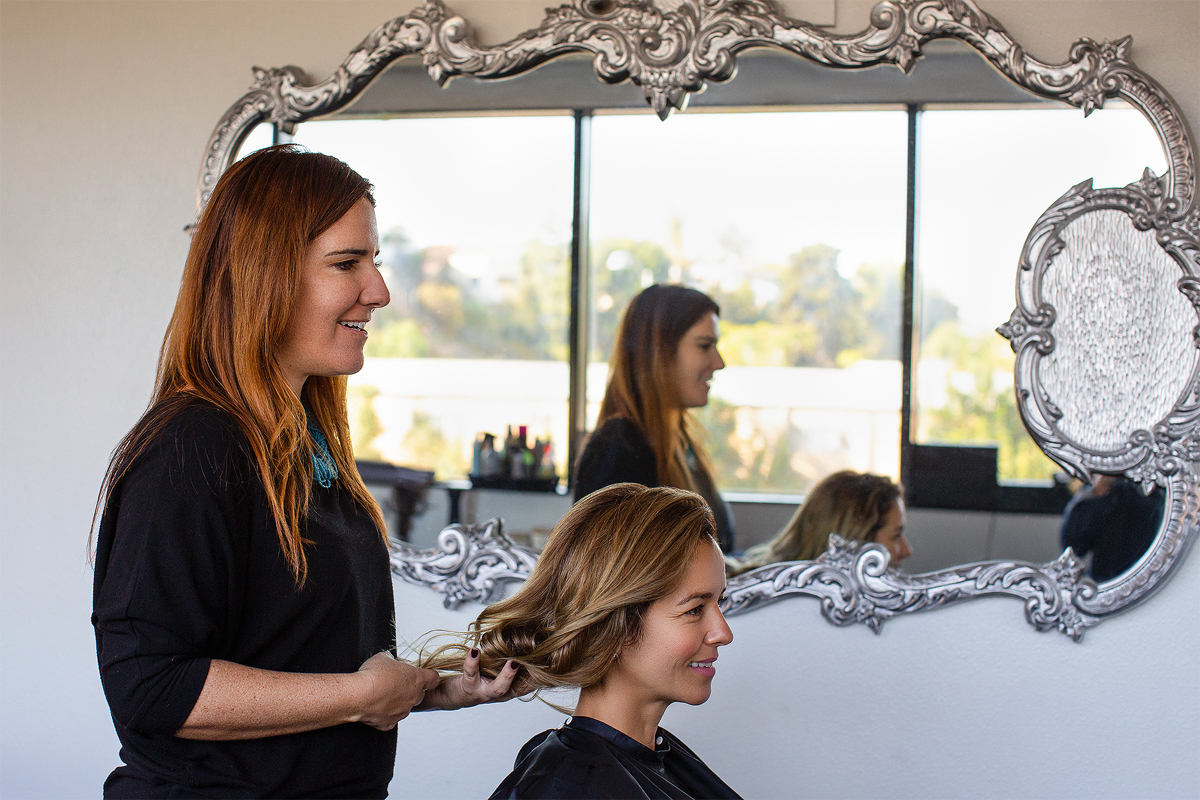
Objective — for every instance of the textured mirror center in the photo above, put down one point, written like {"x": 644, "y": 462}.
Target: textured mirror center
{"x": 1123, "y": 346}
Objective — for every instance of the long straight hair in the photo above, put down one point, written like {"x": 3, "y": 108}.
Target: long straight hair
{"x": 641, "y": 379}
{"x": 615, "y": 552}
{"x": 237, "y": 296}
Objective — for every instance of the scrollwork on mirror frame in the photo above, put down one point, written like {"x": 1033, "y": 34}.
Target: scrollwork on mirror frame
{"x": 672, "y": 54}
{"x": 470, "y": 562}
{"x": 855, "y": 585}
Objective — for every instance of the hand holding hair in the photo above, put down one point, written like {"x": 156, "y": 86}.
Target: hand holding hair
{"x": 470, "y": 688}
{"x": 396, "y": 688}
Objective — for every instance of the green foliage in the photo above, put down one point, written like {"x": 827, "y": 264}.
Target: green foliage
{"x": 760, "y": 463}
{"x": 400, "y": 338}
{"x": 623, "y": 268}
{"x": 980, "y": 402}
{"x": 768, "y": 344}
{"x": 426, "y": 446}
{"x": 364, "y": 424}
{"x": 438, "y": 311}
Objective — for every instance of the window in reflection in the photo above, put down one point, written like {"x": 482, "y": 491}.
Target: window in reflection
{"x": 792, "y": 220}
{"x": 475, "y": 226}
{"x": 986, "y": 175}
{"x": 794, "y": 223}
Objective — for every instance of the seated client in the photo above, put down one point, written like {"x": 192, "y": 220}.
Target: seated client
{"x": 623, "y": 605}
{"x": 858, "y": 506}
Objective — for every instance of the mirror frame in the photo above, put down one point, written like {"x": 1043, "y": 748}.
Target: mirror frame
{"x": 672, "y": 54}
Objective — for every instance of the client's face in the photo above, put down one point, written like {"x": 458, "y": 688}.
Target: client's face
{"x": 891, "y": 535}
{"x": 675, "y": 658}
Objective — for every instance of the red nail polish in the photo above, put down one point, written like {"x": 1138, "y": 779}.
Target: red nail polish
{"x": 474, "y": 652}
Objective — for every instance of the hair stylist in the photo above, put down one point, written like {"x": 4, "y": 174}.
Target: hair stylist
{"x": 243, "y": 600}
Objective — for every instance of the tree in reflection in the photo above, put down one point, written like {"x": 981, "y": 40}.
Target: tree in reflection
{"x": 805, "y": 312}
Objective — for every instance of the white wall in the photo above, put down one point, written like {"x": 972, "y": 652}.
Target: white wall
{"x": 104, "y": 111}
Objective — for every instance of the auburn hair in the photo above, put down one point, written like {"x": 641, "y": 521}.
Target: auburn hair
{"x": 239, "y": 289}
{"x": 615, "y": 552}
{"x": 641, "y": 380}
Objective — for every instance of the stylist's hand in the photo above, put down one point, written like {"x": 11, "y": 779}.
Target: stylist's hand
{"x": 394, "y": 688}
{"x": 470, "y": 688}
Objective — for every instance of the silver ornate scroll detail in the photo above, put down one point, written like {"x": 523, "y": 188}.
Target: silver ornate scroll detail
{"x": 1166, "y": 449}
{"x": 672, "y": 54}
{"x": 470, "y": 562}
{"x": 855, "y": 585}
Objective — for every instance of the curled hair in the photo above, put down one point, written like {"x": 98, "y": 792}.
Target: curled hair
{"x": 854, "y": 505}
{"x": 239, "y": 289}
{"x": 641, "y": 380}
{"x": 615, "y": 552}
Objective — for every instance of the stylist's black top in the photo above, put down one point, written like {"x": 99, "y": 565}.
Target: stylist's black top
{"x": 587, "y": 759}
{"x": 1116, "y": 527}
{"x": 188, "y": 569}
{"x": 617, "y": 453}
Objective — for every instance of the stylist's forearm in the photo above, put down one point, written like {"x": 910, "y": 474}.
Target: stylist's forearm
{"x": 239, "y": 702}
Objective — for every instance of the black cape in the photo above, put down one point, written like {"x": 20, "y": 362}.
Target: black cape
{"x": 587, "y": 759}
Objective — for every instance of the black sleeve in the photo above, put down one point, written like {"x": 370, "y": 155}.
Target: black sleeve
{"x": 170, "y": 561}
{"x": 615, "y": 453}
{"x": 1080, "y": 520}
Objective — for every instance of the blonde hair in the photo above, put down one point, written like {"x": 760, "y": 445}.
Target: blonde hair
{"x": 615, "y": 552}
{"x": 641, "y": 382}
{"x": 237, "y": 295}
{"x": 851, "y": 504}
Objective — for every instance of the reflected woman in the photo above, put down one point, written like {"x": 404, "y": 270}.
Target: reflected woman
{"x": 623, "y": 605}
{"x": 858, "y": 506}
{"x": 661, "y": 366}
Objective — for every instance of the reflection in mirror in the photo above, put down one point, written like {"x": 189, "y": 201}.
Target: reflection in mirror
{"x": 809, "y": 282}
{"x": 1111, "y": 524}
{"x": 959, "y": 402}
{"x": 804, "y": 260}
{"x": 858, "y": 507}
{"x": 475, "y": 253}
{"x": 985, "y": 174}
{"x": 260, "y": 136}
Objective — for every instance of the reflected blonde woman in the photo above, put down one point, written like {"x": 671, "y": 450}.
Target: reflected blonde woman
{"x": 858, "y": 506}
{"x": 623, "y": 605}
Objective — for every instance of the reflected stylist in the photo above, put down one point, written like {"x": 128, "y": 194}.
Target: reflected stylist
{"x": 662, "y": 365}
{"x": 243, "y": 600}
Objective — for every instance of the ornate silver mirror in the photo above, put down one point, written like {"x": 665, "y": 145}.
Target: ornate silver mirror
{"x": 1105, "y": 332}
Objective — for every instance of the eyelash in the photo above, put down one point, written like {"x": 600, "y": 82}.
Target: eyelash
{"x": 695, "y": 612}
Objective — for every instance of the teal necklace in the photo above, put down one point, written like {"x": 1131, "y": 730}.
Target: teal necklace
{"x": 324, "y": 467}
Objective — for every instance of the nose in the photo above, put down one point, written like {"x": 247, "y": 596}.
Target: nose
{"x": 375, "y": 293}
{"x": 905, "y": 549}
{"x": 720, "y": 361}
{"x": 720, "y": 633}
